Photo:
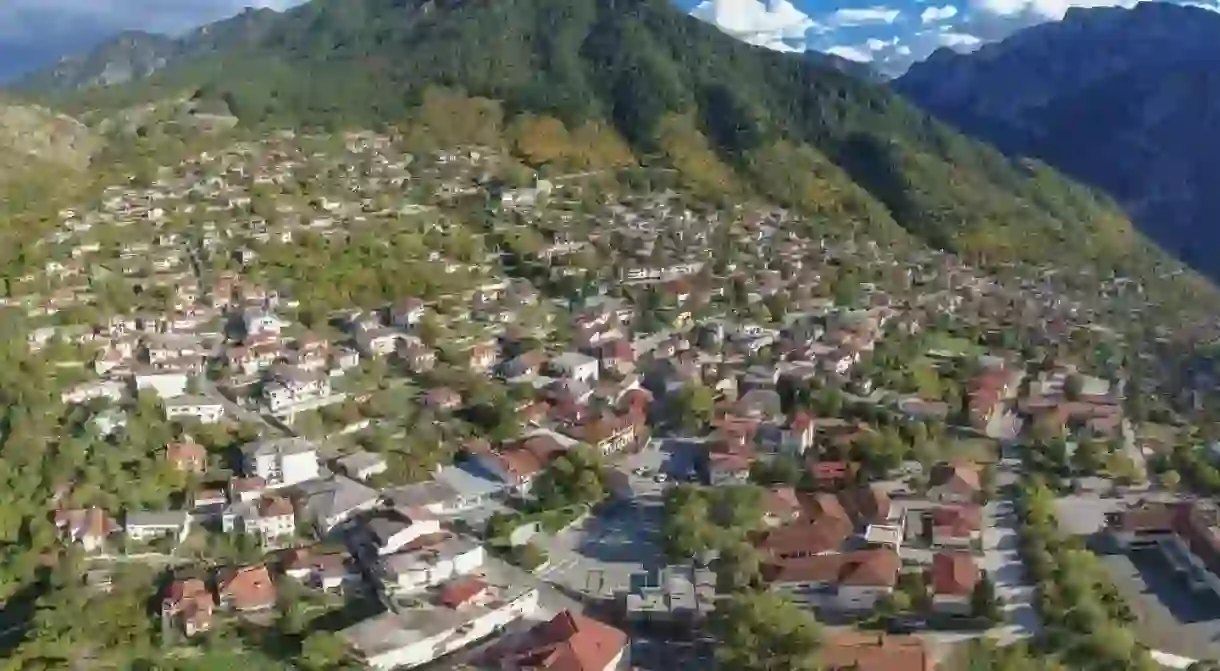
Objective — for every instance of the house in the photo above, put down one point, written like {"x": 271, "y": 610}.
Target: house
{"x": 281, "y": 462}
{"x": 851, "y": 581}
{"x": 143, "y": 527}
{"x": 566, "y": 642}
{"x": 428, "y": 561}
{"x": 246, "y": 588}
{"x": 259, "y": 322}
{"x": 956, "y": 526}
{"x": 823, "y": 532}
{"x": 575, "y": 366}
{"x": 187, "y": 457}
{"x": 82, "y": 393}
{"x": 326, "y": 571}
{"x": 267, "y": 517}
{"x": 290, "y": 387}
{"x": 483, "y": 357}
{"x": 362, "y": 465}
{"x": 418, "y": 357}
{"x": 1185, "y": 532}
{"x": 407, "y": 313}
{"x": 954, "y": 576}
{"x": 335, "y": 500}
{"x": 377, "y": 343}
{"x": 90, "y": 527}
{"x": 845, "y": 650}
{"x": 199, "y": 408}
{"x": 188, "y": 606}
{"x": 392, "y": 532}
{"x": 166, "y": 383}
{"x": 867, "y": 505}
{"x": 617, "y": 356}
{"x": 414, "y": 635}
{"x": 780, "y": 506}
{"x": 954, "y": 483}
{"x": 526, "y": 364}
{"x": 606, "y": 434}
{"x": 518, "y": 465}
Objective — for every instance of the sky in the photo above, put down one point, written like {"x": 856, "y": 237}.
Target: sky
{"x": 890, "y": 34}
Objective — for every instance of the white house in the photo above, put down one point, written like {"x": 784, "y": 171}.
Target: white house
{"x": 281, "y": 462}
{"x": 88, "y": 391}
{"x": 852, "y": 581}
{"x": 291, "y": 387}
{"x": 261, "y": 322}
{"x": 576, "y": 366}
{"x": 146, "y": 526}
{"x": 269, "y": 517}
{"x": 392, "y": 533}
{"x": 167, "y": 384}
{"x": 412, "y": 572}
{"x": 201, "y": 408}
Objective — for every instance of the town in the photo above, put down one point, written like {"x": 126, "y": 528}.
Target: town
{"x": 487, "y": 419}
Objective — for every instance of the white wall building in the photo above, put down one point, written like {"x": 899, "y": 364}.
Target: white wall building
{"x": 281, "y": 462}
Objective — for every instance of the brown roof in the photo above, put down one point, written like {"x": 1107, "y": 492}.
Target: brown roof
{"x": 804, "y": 538}
{"x": 86, "y": 523}
{"x": 959, "y": 521}
{"x": 962, "y": 478}
{"x": 872, "y": 568}
{"x": 857, "y": 651}
{"x": 781, "y": 501}
{"x": 455, "y": 593}
{"x": 568, "y": 642}
{"x": 192, "y": 600}
{"x": 828, "y": 505}
{"x": 182, "y": 454}
{"x": 868, "y": 504}
{"x": 275, "y": 506}
{"x": 246, "y": 587}
{"x": 954, "y": 573}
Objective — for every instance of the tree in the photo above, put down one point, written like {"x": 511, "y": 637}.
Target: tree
{"x": 738, "y": 567}
{"x": 762, "y": 631}
{"x": 984, "y": 603}
{"x": 1073, "y": 385}
{"x": 693, "y": 406}
{"x": 322, "y": 651}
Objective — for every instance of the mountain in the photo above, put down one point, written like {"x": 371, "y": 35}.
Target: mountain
{"x": 736, "y": 120}
{"x": 33, "y": 136}
{"x": 134, "y": 55}
{"x": 1120, "y": 98}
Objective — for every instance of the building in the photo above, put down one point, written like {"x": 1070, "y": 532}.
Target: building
{"x": 270, "y": 518}
{"x": 362, "y": 465}
{"x": 954, "y": 576}
{"x": 391, "y": 532}
{"x": 674, "y": 594}
{"x": 566, "y": 642}
{"x": 199, "y": 408}
{"x": 575, "y": 366}
{"x": 246, "y": 588}
{"x": 187, "y": 457}
{"x": 90, "y": 527}
{"x": 1187, "y": 533}
{"x": 424, "y": 630}
{"x": 851, "y": 581}
{"x": 429, "y": 561}
{"x": 954, "y": 483}
{"x": 956, "y": 526}
{"x": 335, "y": 500}
{"x": 144, "y": 527}
{"x": 781, "y": 506}
{"x": 860, "y": 651}
{"x": 188, "y": 606}
{"x": 291, "y": 387}
{"x": 166, "y": 384}
{"x": 281, "y": 462}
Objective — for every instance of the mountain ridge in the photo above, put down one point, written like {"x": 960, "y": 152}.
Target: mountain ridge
{"x": 1129, "y": 121}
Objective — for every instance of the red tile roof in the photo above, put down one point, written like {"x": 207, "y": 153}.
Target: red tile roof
{"x": 456, "y": 593}
{"x": 954, "y": 573}
{"x": 568, "y": 642}
{"x": 246, "y": 587}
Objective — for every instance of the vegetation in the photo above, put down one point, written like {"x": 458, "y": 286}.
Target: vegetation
{"x": 733, "y": 120}
{"x": 762, "y": 631}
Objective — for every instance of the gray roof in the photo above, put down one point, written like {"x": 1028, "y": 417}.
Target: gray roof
{"x": 467, "y": 484}
{"x": 421, "y": 494}
{"x": 570, "y": 360}
{"x": 360, "y": 460}
{"x": 334, "y": 497}
{"x": 166, "y": 518}
{"x": 280, "y": 446}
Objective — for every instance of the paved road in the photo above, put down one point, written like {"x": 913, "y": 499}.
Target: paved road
{"x": 1002, "y": 562}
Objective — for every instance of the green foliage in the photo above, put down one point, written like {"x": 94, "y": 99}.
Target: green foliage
{"x": 730, "y": 118}
{"x": 762, "y": 631}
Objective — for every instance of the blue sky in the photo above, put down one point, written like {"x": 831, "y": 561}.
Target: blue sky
{"x": 888, "y": 33}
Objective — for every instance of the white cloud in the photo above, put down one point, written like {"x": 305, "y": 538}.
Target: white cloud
{"x": 955, "y": 40}
{"x": 875, "y": 44}
{"x": 851, "y": 53}
{"x": 776, "y": 24}
{"x": 935, "y": 14}
{"x": 864, "y": 15}
{"x": 1047, "y": 9}
{"x": 903, "y": 50}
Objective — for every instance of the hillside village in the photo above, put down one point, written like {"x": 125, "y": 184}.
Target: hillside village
{"x": 536, "y": 422}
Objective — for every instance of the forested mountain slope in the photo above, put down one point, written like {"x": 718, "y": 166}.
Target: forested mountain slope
{"x": 637, "y": 64}
{"x": 1118, "y": 98}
